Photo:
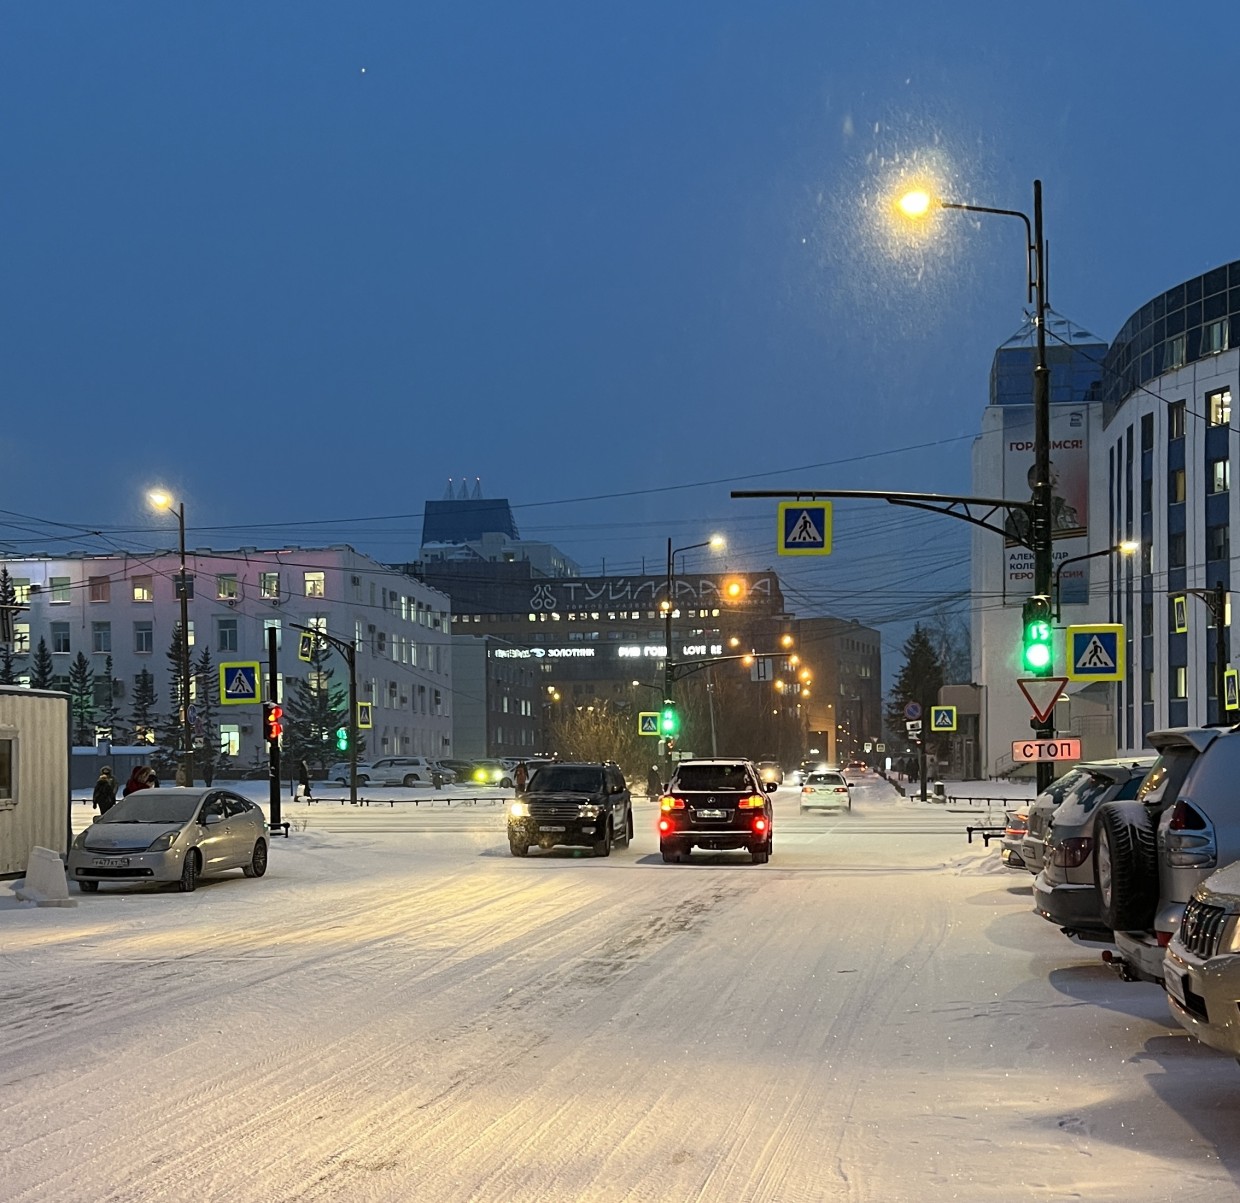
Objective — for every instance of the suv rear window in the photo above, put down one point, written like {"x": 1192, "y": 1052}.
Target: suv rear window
{"x": 713, "y": 776}
{"x": 1162, "y": 783}
{"x": 567, "y": 778}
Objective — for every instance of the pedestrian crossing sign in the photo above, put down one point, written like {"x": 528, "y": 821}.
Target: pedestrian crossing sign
{"x": 239, "y": 683}
{"x": 365, "y": 716}
{"x": 648, "y": 722}
{"x": 1231, "y": 689}
{"x": 1096, "y": 652}
{"x": 804, "y": 528}
{"x": 942, "y": 718}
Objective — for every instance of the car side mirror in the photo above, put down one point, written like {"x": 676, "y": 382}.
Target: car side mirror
{"x": 210, "y": 820}
{"x": 770, "y": 786}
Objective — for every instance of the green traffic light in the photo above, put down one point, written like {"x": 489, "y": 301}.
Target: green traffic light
{"x": 342, "y": 739}
{"x": 669, "y": 722}
{"x": 1037, "y": 649}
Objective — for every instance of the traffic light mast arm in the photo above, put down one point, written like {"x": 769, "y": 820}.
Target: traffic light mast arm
{"x": 348, "y": 650}
{"x": 936, "y": 503}
{"x": 684, "y": 668}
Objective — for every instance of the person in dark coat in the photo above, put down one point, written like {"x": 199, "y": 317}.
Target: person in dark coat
{"x": 303, "y": 780}
{"x": 654, "y": 782}
{"x": 521, "y": 776}
{"x": 105, "y": 791}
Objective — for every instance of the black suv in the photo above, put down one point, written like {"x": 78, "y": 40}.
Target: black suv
{"x": 586, "y": 805}
{"x": 716, "y": 804}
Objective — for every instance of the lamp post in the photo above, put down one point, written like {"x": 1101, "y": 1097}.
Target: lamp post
{"x": 1127, "y": 547}
{"x": 917, "y": 204}
{"x": 161, "y": 500}
{"x": 717, "y": 543}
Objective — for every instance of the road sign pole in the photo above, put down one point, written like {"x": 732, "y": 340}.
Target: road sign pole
{"x": 273, "y": 748}
{"x": 1220, "y": 650}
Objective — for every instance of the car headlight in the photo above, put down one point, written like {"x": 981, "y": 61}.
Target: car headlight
{"x": 519, "y": 810}
{"x": 161, "y": 843}
{"x": 1229, "y": 940}
{"x": 79, "y": 840}
{"x": 589, "y": 812}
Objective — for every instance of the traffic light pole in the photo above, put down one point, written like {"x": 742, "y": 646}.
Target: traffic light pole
{"x": 273, "y": 745}
{"x": 349, "y": 651}
{"x": 669, "y": 671}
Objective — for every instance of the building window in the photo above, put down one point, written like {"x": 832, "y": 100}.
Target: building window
{"x": 1175, "y": 420}
{"x": 1176, "y": 551}
{"x": 272, "y": 624}
{"x": 189, "y": 628}
{"x": 143, "y": 637}
{"x": 60, "y": 589}
{"x": 143, "y": 588}
{"x": 100, "y": 588}
{"x": 226, "y": 586}
{"x": 60, "y": 637}
{"x": 269, "y": 585}
{"x": 315, "y": 584}
{"x": 21, "y": 588}
{"x": 1218, "y": 406}
{"x": 1175, "y": 486}
{"x": 1147, "y": 495}
{"x": 1218, "y": 542}
{"x": 21, "y": 639}
{"x": 1147, "y": 432}
{"x": 1215, "y": 336}
{"x": 226, "y": 634}
{"x": 100, "y": 636}
{"x": 230, "y": 739}
{"x": 1174, "y": 353}
{"x": 1179, "y": 683}
{"x": 1220, "y": 475}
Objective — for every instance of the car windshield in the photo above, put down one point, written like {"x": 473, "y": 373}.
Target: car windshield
{"x": 154, "y": 806}
{"x": 712, "y": 776}
{"x": 567, "y": 778}
{"x": 825, "y": 779}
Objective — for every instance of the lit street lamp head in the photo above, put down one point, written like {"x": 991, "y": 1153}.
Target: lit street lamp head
{"x": 159, "y": 499}
{"x": 916, "y": 203}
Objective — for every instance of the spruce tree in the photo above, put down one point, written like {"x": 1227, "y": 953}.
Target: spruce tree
{"x": 919, "y": 681}
{"x": 169, "y": 733}
{"x": 42, "y": 669}
{"x": 8, "y": 604}
{"x": 109, "y": 716}
{"x": 141, "y": 716}
{"x": 82, "y": 701}
{"x": 209, "y": 757}
{"x": 314, "y": 708}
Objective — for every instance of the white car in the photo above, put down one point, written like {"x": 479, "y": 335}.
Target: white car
{"x": 339, "y": 772}
{"x": 825, "y": 789}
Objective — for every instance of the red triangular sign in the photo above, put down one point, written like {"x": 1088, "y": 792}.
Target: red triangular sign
{"x": 1042, "y": 694}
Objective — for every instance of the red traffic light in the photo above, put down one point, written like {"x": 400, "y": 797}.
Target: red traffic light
{"x": 273, "y": 726}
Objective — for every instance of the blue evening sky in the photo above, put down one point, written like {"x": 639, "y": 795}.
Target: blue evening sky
{"x": 303, "y": 262}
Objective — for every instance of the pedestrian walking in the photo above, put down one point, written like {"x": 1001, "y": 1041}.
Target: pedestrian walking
{"x": 654, "y": 782}
{"x": 105, "y": 791}
{"x": 521, "y": 776}
{"x": 303, "y": 781}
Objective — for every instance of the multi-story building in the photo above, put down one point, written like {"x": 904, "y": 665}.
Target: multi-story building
{"x": 846, "y": 701}
{"x": 125, "y": 606}
{"x": 1165, "y": 453}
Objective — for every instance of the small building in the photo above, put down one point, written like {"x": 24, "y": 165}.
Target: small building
{"x": 34, "y": 775}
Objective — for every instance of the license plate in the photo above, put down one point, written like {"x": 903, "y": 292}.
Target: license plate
{"x": 551, "y": 829}
{"x": 1175, "y": 986}
{"x": 712, "y": 814}
{"x": 112, "y": 862}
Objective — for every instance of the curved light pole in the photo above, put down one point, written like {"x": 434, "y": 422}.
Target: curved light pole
{"x": 918, "y": 203}
{"x": 1127, "y": 547}
{"x": 160, "y": 499}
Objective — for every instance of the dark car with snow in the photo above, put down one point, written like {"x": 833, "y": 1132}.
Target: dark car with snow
{"x": 716, "y": 804}
{"x": 579, "y": 805}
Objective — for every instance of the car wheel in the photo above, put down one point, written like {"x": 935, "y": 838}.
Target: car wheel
{"x": 411, "y": 779}
{"x": 518, "y": 847}
{"x": 628, "y": 829}
{"x": 258, "y": 860}
{"x": 88, "y": 887}
{"x": 189, "y": 873}
{"x": 341, "y": 780}
{"x": 362, "y": 779}
{"x": 671, "y": 855}
{"x": 505, "y": 783}
{"x": 759, "y": 856}
{"x": 603, "y": 847}
{"x": 1126, "y": 866}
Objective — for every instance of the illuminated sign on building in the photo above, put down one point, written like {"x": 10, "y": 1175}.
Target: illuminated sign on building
{"x": 540, "y": 653}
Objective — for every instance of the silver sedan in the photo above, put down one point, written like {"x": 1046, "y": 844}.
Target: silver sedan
{"x": 165, "y": 835}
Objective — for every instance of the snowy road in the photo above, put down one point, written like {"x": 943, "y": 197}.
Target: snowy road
{"x": 401, "y": 1011}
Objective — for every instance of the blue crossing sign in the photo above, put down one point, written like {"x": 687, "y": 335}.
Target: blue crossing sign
{"x": 648, "y": 722}
{"x": 239, "y": 683}
{"x": 1095, "y": 652}
{"x": 942, "y": 718}
{"x": 804, "y": 528}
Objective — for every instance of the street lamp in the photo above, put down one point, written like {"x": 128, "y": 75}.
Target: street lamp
{"x": 1127, "y": 547}
{"x": 918, "y": 203}
{"x": 160, "y": 499}
{"x": 715, "y": 543}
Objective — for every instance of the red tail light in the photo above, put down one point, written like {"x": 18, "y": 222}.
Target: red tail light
{"x": 1164, "y": 938}
{"x": 1185, "y": 818}
{"x": 1017, "y": 825}
{"x": 759, "y": 824}
{"x": 1072, "y": 853}
{"x": 670, "y": 803}
{"x": 753, "y": 802}
{"x": 664, "y": 825}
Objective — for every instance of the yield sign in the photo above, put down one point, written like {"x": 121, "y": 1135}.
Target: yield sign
{"x": 1042, "y": 694}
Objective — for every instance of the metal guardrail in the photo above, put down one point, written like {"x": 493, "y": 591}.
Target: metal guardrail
{"x": 985, "y": 833}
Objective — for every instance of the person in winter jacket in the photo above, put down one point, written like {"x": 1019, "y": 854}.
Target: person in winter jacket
{"x": 105, "y": 791}
{"x": 142, "y": 777}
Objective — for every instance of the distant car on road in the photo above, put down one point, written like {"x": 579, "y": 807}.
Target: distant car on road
{"x": 716, "y": 804}
{"x": 577, "y": 804}
{"x": 771, "y": 770}
{"x": 490, "y": 772}
{"x": 170, "y": 835}
{"x": 825, "y": 790}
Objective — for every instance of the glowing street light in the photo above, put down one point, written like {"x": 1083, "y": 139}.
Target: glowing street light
{"x": 161, "y": 499}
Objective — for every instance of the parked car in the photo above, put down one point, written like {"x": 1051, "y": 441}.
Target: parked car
{"x": 827, "y": 790}
{"x": 1150, "y": 854}
{"x": 575, "y": 804}
{"x": 1202, "y": 966}
{"x": 1013, "y": 834}
{"x": 170, "y": 835}
{"x": 490, "y": 772}
{"x": 771, "y": 770}
{"x": 1038, "y": 817}
{"x": 401, "y": 770}
{"x": 1064, "y": 891}
{"x": 339, "y": 772}
{"x": 718, "y": 804}
{"x": 464, "y": 769}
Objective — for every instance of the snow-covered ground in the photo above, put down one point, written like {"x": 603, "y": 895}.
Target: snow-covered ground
{"x": 401, "y": 1011}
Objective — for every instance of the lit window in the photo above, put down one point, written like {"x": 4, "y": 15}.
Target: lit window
{"x": 269, "y": 584}
{"x": 226, "y": 586}
{"x": 21, "y": 639}
{"x": 143, "y": 588}
{"x": 1175, "y": 486}
{"x": 1218, "y": 404}
{"x": 272, "y": 624}
{"x": 1179, "y": 683}
{"x": 316, "y": 584}
{"x": 21, "y": 589}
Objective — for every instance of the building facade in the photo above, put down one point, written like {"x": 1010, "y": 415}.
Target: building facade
{"x": 124, "y": 606}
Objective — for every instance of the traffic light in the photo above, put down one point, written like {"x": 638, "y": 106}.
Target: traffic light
{"x": 669, "y": 721}
{"x": 273, "y": 726}
{"x": 342, "y": 739}
{"x": 1036, "y": 652}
